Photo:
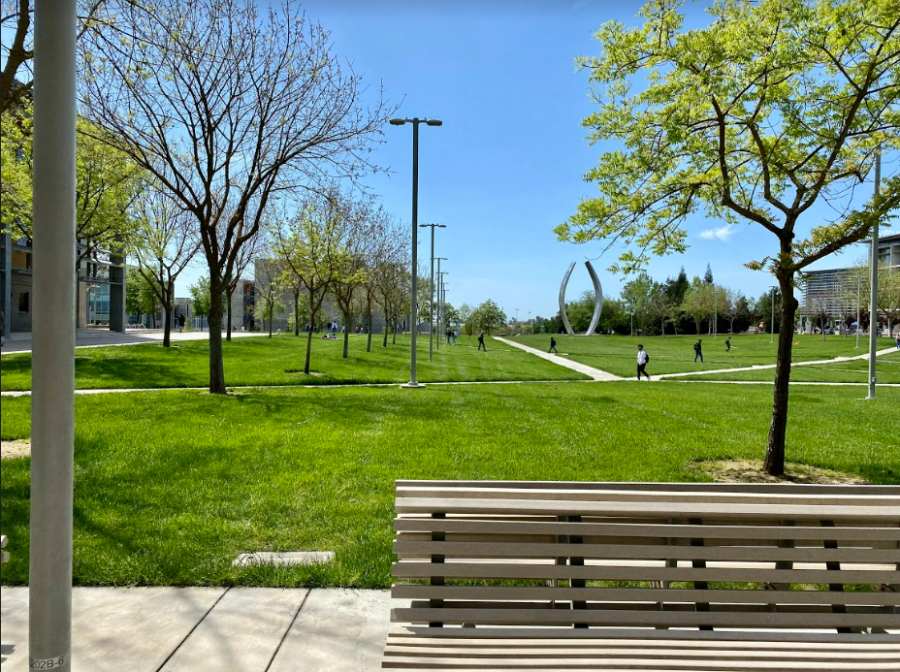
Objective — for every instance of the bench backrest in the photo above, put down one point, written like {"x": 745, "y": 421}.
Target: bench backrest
{"x": 639, "y": 555}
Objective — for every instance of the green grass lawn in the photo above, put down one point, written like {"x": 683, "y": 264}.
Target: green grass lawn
{"x": 171, "y": 486}
{"x": 675, "y": 354}
{"x": 279, "y": 361}
{"x": 856, "y": 371}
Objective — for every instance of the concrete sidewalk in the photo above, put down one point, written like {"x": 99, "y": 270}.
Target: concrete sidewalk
{"x": 220, "y": 629}
{"x": 596, "y": 374}
{"x": 100, "y": 338}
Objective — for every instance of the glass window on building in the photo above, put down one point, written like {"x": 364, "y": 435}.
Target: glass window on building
{"x": 24, "y": 302}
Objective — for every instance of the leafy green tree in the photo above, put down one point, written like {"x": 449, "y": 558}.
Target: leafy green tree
{"x": 487, "y": 317}
{"x": 638, "y": 295}
{"x": 774, "y": 107}
{"x": 614, "y": 317}
{"x": 140, "y": 298}
{"x": 106, "y": 185}
{"x": 201, "y": 298}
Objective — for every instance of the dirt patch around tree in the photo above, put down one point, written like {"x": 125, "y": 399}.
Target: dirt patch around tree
{"x": 751, "y": 471}
{"x": 13, "y": 449}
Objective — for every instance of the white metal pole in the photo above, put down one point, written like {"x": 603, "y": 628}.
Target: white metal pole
{"x": 440, "y": 316}
{"x": 858, "y": 315}
{"x": 53, "y": 338}
{"x": 873, "y": 299}
{"x": 431, "y": 295}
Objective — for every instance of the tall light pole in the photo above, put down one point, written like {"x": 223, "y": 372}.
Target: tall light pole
{"x": 440, "y": 303}
{"x": 53, "y": 371}
{"x": 772, "y": 328}
{"x": 858, "y": 315}
{"x": 873, "y": 299}
{"x": 414, "y": 313}
{"x": 432, "y": 292}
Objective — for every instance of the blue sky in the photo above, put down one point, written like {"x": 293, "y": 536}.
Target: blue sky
{"x": 506, "y": 167}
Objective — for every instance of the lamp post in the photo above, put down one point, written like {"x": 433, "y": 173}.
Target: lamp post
{"x": 414, "y": 313}
{"x": 873, "y": 299}
{"x": 432, "y": 292}
{"x": 439, "y": 298}
{"x": 858, "y": 316}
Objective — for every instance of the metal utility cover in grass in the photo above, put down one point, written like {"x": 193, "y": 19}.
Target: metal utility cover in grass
{"x": 285, "y": 558}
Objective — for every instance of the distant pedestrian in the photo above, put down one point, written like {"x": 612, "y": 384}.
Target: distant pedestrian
{"x": 642, "y": 359}
{"x": 481, "y": 344}
{"x": 728, "y": 344}
{"x": 181, "y": 321}
{"x": 698, "y": 350}
{"x": 898, "y": 340}
{"x": 553, "y": 345}
{"x": 449, "y": 335}
{"x": 455, "y": 334}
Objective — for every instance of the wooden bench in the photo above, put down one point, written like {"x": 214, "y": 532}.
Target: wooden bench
{"x": 645, "y": 577}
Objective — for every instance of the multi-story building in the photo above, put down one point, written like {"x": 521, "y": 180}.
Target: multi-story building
{"x": 100, "y": 296}
{"x": 833, "y": 292}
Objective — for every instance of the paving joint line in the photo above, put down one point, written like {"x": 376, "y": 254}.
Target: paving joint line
{"x": 196, "y": 625}
{"x": 288, "y": 630}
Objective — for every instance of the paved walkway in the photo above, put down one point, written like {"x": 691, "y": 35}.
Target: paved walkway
{"x": 216, "y": 629}
{"x": 760, "y": 367}
{"x": 102, "y": 338}
{"x": 595, "y": 374}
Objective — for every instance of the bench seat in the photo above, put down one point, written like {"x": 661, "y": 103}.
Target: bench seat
{"x": 637, "y": 576}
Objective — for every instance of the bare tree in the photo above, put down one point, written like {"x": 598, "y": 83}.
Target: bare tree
{"x": 246, "y": 256}
{"x": 164, "y": 244}
{"x": 388, "y": 246}
{"x": 228, "y": 109}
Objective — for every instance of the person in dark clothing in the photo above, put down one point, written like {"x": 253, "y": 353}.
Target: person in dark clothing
{"x": 728, "y": 344}
{"x": 481, "y": 345}
{"x": 698, "y": 350}
{"x": 449, "y": 335}
{"x": 642, "y": 359}
{"x": 553, "y": 345}
{"x": 181, "y": 322}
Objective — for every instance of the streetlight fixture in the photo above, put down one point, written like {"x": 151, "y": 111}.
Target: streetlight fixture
{"x": 415, "y": 121}
{"x": 431, "y": 292}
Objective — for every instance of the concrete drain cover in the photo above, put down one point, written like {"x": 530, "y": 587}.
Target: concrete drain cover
{"x": 284, "y": 558}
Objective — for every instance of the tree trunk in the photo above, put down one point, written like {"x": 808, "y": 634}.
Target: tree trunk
{"x": 774, "y": 464}
{"x": 346, "y": 335}
{"x": 216, "y": 364}
{"x": 228, "y": 328}
{"x": 309, "y": 336}
{"x": 369, "y": 327}
{"x": 384, "y": 343}
{"x": 167, "y": 324}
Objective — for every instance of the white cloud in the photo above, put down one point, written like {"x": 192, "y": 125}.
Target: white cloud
{"x": 722, "y": 233}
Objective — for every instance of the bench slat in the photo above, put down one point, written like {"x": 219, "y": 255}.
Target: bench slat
{"x": 635, "y": 552}
{"x": 814, "y": 499}
{"x": 650, "y": 509}
{"x": 639, "y": 595}
{"x": 648, "y": 486}
{"x": 612, "y": 529}
{"x": 724, "y": 619}
{"x": 423, "y": 570}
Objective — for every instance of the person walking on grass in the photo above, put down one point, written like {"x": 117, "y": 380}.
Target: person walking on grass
{"x": 481, "y": 345}
{"x": 728, "y": 344}
{"x": 698, "y": 350}
{"x": 553, "y": 345}
{"x": 642, "y": 359}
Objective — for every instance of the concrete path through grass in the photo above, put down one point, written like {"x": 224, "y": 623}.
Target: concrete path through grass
{"x": 758, "y": 367}
{"x": 222, "y": 629}
{"x": 596, "y": 374}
